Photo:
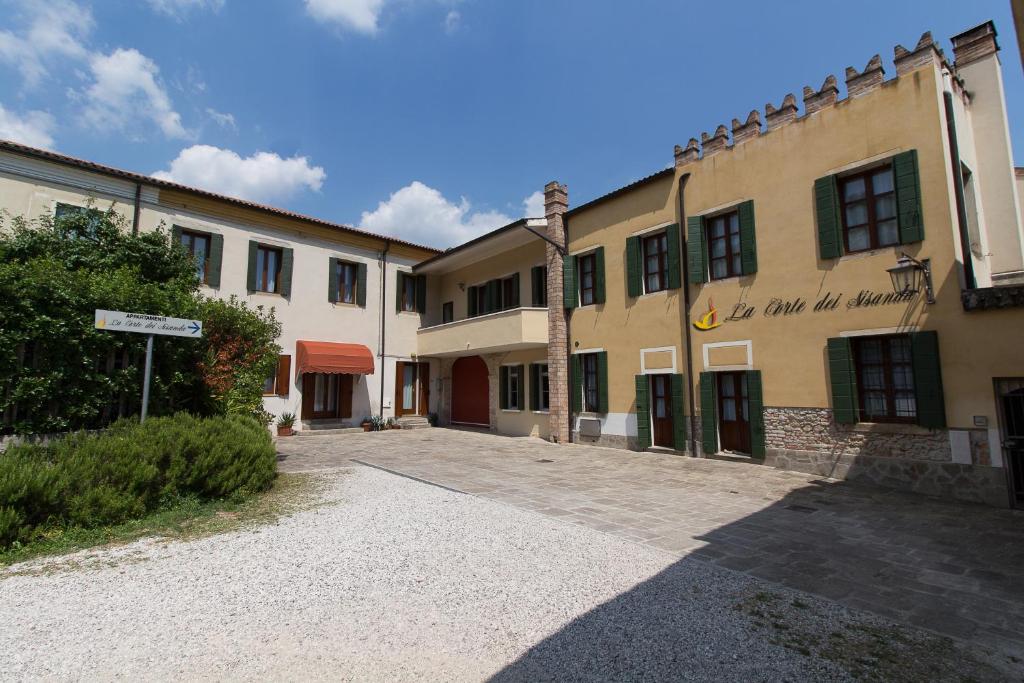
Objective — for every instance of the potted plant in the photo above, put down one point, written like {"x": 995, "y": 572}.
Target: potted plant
{"x": 392, "y": 424}
{"x": 366, "y": 424}
{"x": 376, "y": 423}
{"x": 285, "y": 423}
{"x": 432, "y": 419}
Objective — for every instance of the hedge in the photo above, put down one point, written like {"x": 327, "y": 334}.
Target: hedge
{"x": 93, "y": 480}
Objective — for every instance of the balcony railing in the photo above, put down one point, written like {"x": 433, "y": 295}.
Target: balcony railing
{"x": 516, "y": 328}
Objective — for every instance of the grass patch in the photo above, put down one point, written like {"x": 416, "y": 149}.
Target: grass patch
{"x": 185, "y": 518}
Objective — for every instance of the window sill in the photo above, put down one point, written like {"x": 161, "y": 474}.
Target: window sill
{"x": 511, "y": 410}
{"x": 892, "y": 249}
{"x": 541, "y": 412}
{"x": 887, "y": 428}
{"x": 342, "y": 304}
{"x": 646, "y": 295}
{"x": 724, "y": 280}
{"x": 262, "y": 293}
{"x": 591, "y": 416}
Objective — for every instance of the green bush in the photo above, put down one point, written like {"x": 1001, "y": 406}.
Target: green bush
{"x": 90, "y": 480}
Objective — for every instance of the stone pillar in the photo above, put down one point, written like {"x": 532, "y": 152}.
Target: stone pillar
{"x": 556, "y": 202}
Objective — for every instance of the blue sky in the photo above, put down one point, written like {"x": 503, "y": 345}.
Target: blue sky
{"x": 433, "y": 120}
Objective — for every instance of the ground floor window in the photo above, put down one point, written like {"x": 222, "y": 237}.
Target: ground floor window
{"x": 591, "y": 391}
{"x": 885, "y": 378}
{"x": 511, "y": 380}
{"x": 539, "y": 390}
{"x": 277, "y": 382}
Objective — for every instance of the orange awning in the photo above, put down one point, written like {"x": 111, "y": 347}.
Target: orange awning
{"x": 333, "y": 358}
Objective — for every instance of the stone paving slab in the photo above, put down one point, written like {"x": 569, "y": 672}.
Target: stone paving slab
{"x": 952, "y": 567}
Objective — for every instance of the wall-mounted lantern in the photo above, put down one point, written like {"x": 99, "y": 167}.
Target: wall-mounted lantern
{"x": 909, "y": 275}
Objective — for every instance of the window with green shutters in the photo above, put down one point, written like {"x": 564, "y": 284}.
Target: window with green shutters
{"x": 652, "y": 262}
{"x": 887, "y": 378}
{"x": 539, "y": 387}
{"x": 708, "y": 413}
{"x": 206, "y": 248}
{"x": 270, "y": 269}
{"x": 871, "y": 208}
{"x": 510, "y": 385}
{"x": 722, "y": 245}
{"x": 411, "y": 293}
{"x": 696, "y": 250}
{"x": 590, "y": 382}
{"x": 583, "y": 279}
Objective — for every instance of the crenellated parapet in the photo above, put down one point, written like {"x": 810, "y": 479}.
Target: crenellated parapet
{"x": 968, "y": 46}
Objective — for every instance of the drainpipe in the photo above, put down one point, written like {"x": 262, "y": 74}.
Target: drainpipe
{"x": 958, "y": 182}
{"x": 568, "y": 331}
{"x": 686, "y": 315}
{"x": 383, "y": 317}
{"x": 138, "y": 208}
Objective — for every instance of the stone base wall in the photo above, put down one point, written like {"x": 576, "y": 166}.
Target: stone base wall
{"x": 607, "y": 440}
{"x": 812, "y": 429}
{"x": 971, "y": 483}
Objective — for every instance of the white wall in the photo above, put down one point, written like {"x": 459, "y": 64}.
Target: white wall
{"x": 31, "y": 188}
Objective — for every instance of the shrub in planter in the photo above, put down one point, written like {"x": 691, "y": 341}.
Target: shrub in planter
{"x": 285, "y": 423}
{"x": 91, "y": 480}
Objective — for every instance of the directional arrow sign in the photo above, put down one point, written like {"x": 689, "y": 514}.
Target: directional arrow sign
{"x": 119, "y": 321}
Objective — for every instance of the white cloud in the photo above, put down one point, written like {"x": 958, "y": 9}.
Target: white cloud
{"x": 221, "y": 119}
{"x": 421, "y": 214}
{"x": 264, "y": 176}
{"x": 358, "y": 15}
{"x": 533, "y": 206}
{"x": 451, "y": 22}
{"x": 34, "y": 128}
{"x": 51, "y": 29}
{"x": 127, "y": 86}
{"x": 178, "y": 8}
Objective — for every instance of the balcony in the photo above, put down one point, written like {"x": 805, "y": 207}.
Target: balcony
{"x": 518, "y": 328}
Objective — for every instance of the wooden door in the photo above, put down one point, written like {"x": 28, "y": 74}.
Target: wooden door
{"x": 423, "y": 377}
{"x": 470, "y": 391}
{"x": 733, "y": 412}
{"x": 407, "y": 389}
{"x": 661, "y": 411}
{"x": 321, "y": 395}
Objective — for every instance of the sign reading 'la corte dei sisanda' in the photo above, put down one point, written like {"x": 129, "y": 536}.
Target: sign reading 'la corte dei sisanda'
{"x": 119, "y": 321}
{"x": 142, "y": 323}
{"x": 780, "y": 308}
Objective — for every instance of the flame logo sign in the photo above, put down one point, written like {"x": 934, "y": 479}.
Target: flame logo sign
{"x": 709, "y": 320}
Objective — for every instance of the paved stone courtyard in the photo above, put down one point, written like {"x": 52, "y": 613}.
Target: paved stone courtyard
{"x": 953, "y": 568}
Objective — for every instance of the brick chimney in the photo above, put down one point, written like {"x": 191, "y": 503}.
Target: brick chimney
{"x": 974, "y": 44}
{"x": 556, "y": 203}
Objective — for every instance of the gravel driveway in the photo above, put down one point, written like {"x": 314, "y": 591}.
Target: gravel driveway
{"x": 391, "y": 579}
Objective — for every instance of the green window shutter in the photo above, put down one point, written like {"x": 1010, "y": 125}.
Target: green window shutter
{"x": 332, "y": 280}
{"x": 570, "y": 288}
{"x": 503, "y": 387}
{"x": 708, "y": 414}
{"x": 399, "y": 281}
{"x": 634, "y": 268}
{"x": 216, "y": 260}
{"x": 515, "y": 292}
{"x": 471, "y": 302}
{"x": 421, "y": 293}
{"x": 599, "y": 276}
{"x": 643, "y": 412}
{"x": 675, "y": 270}
{"x": 251, "y": 276}
{"x": 493, "y": 296}
{"x": 287, "y": 266}
{"x": 830, "y": 225}
{"x": 931, "y": 404}
{"x": 907, "y": 180}
{"x": 361, "y": 285}
{"x": 537, "y": 286}
{"x": 521, "y": 376}
{"x": 602, "y": 382}
{"x": 577, "y": 383}
{"x": 755, "y": 404}
{"x": 843, "y": 377}
{"x": 679, "y": 426}
{"x": 748, "y": 242}
{"x": 534, "y": 386}
{"x": 696, "y": 250}
{"x": 175, "y": 229}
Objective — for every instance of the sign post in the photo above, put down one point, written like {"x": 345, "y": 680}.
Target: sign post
{"x": 149, "y": 325}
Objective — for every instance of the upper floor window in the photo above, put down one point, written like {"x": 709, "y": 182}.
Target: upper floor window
{"x": 885, "y": 378}
{"x": 588, "y": 278}
{"x": 268, "y": 269}
{"x": 656, "y": 262}
{"x": 724, "y": 245}
{"x": 197, "y": 244}
{"x": 348, "y": 276}
{"x": 94, "y": 216}
{"x": 869, "y": 210}
{"x": 408, "y": 292}
{"x": 448, "y": 312}
{"x": 510, "y": 292}
{"x": 539, "y": 286}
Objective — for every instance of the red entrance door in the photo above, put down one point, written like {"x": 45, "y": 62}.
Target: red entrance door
{"x": 470, "y": 393}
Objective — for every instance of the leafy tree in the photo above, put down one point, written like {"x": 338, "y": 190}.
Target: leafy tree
{"x": 58, "y": 373}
